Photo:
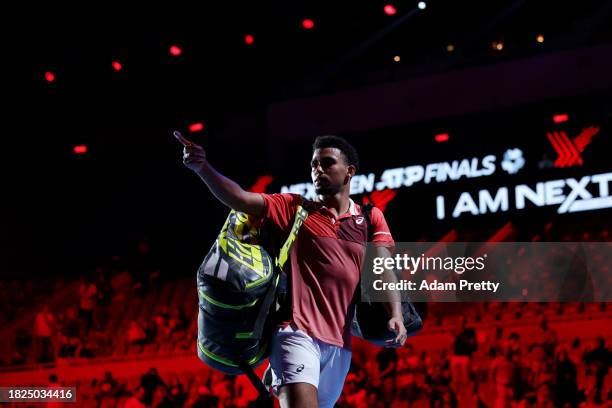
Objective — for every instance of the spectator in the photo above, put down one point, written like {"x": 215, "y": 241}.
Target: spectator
{"x": 109, "y": 384}
{"x": 108, "y": 391}
{"x": 101, "y": 340}
{"x": 178, "y": 322}
{"x": 162, "y": 325}
{"x": 504, "y": 378}
{"x": 174, "y": 397}
{"x": 88, "y": 294}
{"x": 598, "y": 361}
{"x": 544, "y": 396}
{"x": 545, "y": 337}
{"x": 105, "y": 295}
{"x": 89, "y": 347}
{"x": 477, "y": 398}
{"x": 136, "y": 333}
{"x": 244, "y": 392}
{"x": 375, "y": 399}
{"x": 149, "y": 382}
{"x": 54, "y": 383}
{"x": 150, "y": 329}
{"x": 566, "y": 385}
{"x": 540, "y": 368}
{"x": 137, "y": 400}
{"x": 144, "y": 268}
{"x": 121, "y": 284}
{"x": 406, "y": 374}
{"x": 448, "y": 400}
{"x": 23, "y": 343}
{"x": 438, "y": 384}
{"x": 387, "y": 363}
{"x": 464, "y": 346}
{"x": 223, "y": 388}
{"x": 105, "y": 291}
{"x": 70, "y": 334}
{"x": 42, "y": 333}
{"x": 355, "y": 395}
{"x": 205, "y": 399}
{"x": 493, "y": 342}
{"x": 514, "y": 344}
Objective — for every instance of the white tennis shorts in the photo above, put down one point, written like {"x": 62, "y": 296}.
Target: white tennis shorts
{"x": 297, "y": 357}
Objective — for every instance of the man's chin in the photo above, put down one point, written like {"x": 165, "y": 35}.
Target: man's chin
{"x": 324, "y": 191}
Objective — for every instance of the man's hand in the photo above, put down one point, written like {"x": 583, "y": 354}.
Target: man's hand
{"x": 396, "y": 325}
{"x": 194, "y": 156}
{"x": 226, "y": 190}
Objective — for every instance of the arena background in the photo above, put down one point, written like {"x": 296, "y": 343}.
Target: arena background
{"x": 126, "y": 216}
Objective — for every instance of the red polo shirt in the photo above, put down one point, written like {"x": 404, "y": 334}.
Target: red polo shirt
{"x": 326, "y": 261}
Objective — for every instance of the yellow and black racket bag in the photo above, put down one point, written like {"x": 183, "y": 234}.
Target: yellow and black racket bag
{"x": 237, "y": 289}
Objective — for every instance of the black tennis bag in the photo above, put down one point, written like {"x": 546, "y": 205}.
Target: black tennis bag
{"x": 368, "y": 324}
{"x": 237, "y": 288}
{"x": 369, "y": 320}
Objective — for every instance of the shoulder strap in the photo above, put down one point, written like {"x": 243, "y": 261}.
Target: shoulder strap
{"x": 300, "y": 217}
{"x": 264, "y": 309}
{"x": 264, "y": 394}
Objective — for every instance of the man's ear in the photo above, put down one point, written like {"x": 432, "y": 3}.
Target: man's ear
{"x": 350, "y": 173}
{"x": 351, "y": 170}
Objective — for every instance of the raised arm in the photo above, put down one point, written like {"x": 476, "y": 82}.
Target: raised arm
{"x": 227, "y": 191}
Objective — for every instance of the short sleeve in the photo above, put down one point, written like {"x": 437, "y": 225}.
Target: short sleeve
{"x": 280, "y": 209}
{"x": 381, "y": 236}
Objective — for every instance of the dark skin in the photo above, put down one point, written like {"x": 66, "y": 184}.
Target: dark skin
{"x": 331, "y": 176}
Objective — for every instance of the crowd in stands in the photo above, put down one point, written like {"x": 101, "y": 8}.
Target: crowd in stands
{"x": 17, "y": 294}
{"x": 500, "y": 370}
{"x": 122, "y": 308}
{"x": 129, "y": 309}
{"x": 501, "y": 367}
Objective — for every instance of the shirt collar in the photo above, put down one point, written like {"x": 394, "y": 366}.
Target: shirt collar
{"x": 352, "y": 207}
{"x": 352, "y": 210}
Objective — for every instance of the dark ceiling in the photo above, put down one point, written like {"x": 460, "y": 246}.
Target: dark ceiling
{"x": 125, "y": 117}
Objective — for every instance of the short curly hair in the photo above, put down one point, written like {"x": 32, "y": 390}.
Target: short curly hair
{"x": 348, "y": 151}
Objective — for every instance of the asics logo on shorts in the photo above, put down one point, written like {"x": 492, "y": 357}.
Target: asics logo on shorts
{"x": 300, "y": 368}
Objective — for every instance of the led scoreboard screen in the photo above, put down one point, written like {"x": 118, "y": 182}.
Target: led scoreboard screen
{"x": 485, "y": 169}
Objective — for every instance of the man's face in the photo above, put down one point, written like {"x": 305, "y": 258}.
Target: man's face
{"x": 329, "y": 171}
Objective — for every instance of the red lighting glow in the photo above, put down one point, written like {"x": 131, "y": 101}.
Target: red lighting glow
{"x": 261, "y": 184}
{"x": 249, "y": 39}
{"x": 117, "y": 66}
{"x": 175, "y": 50}
{"x": 442, "y": 137}
{"x": 80, "y": 149}
{"x": 196, "y": 127}
{"x": 49, "y": 76}
{"x": 381, "y": 198}
{"x": 560, "y": 118}
{"x": 307, "y": 23}
{"x": 390, "y": 10}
